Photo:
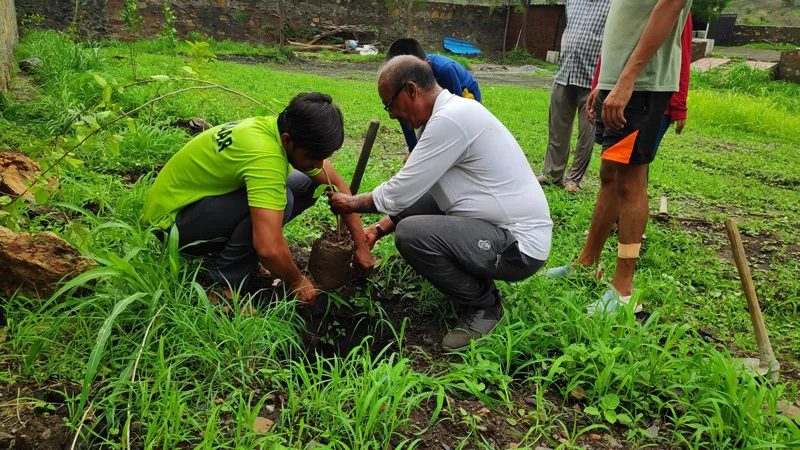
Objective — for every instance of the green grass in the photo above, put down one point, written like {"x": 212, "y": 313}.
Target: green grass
{"x": 768, "y": 46}
{"x": 157, "y": 361}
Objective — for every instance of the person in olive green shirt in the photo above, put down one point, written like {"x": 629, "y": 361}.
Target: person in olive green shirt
{"x": 639, "y": 72}
{"x": 230, "y": 190}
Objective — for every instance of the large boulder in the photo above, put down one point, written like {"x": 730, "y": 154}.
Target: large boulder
{"x": 17, "y": 171}
{"x": 34, "y": 264}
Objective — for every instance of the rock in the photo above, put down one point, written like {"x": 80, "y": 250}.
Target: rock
{"x": 15, "y": 170}
{"x": 595, "y": 437}
{"x": 611, "y": 441}
{"x": 788, "y": 410}
{"x": 653, "y": 431}
{"x": 28, "y": 65}
{"x": 262, "y": 425}
{"x": 35, "y": 263}
{"x": 193, "y": 126}
{"x": 789, "y": 66}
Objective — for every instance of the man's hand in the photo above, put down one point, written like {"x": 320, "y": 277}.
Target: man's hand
{"x": 362, "y": 260}
{"x": 679, "y": 125}
{"x": 304, "y": 291}
{"x": 372, "y": 236}
{"x": 591, "y": 104}
{"x": 340, "y": 203}
{"x": 613, "y": 113}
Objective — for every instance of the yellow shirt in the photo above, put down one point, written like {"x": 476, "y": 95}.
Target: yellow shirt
{"x": 247, "y": 153}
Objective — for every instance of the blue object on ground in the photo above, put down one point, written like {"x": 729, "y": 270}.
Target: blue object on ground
{"x": 460, "y": 47}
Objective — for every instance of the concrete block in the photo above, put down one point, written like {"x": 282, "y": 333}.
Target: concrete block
{"x": 553, "y": 57}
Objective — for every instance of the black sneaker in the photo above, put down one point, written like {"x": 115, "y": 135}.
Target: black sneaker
{"x": 472, "y": 324}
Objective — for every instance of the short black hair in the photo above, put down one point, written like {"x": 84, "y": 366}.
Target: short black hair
{"x": 408, "y": 68}
{"x": 314, "y": 124}
{"x": 405, "y": 46}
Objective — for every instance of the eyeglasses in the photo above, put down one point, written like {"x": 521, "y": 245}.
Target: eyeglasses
{"x": 388, "y": 107}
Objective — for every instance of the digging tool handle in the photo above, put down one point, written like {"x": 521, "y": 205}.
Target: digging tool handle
{"x": 765, "y": 354}
{"x": 662, "y": 208}
{"x": 362, "y": 160}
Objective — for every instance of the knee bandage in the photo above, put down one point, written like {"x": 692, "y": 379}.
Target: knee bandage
{"x": 629, "y": 250}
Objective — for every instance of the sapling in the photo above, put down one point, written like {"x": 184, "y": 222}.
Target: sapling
{"x": 133, "y": 25}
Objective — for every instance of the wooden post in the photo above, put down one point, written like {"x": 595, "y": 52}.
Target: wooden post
{"x": 765, "y": 354}
{"x": 662, "y": 209}
{"x": 361, "y": 166}
{"x": 505, "y": 32}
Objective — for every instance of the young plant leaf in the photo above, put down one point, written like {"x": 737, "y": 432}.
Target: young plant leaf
{"x": 322, "y": 188}
{"x": 100, "y": 345}
{"x": 101, "y": 81}
{"x": 40, "y": 195}
{"x": 591, "y": 410}
{"x": 107, "y": 94}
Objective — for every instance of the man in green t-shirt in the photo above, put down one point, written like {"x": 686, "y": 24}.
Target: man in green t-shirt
{"x": 230, "y": 190}
{"x": 639, "y": 72}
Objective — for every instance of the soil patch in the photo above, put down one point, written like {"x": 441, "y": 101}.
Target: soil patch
{"x": 34, "y": 417}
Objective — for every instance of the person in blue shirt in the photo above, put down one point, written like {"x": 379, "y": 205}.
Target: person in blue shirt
{"x": 448, "y": 73}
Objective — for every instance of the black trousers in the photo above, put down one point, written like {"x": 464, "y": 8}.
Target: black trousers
{"x": 222, "y": 226}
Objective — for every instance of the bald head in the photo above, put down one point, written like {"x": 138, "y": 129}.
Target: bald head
{"x": 402, "y": 69}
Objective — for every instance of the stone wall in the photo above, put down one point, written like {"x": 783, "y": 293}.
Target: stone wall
{"x": 545, "y": 26}
{"x": 8, "y": 38}
{"x": 257, "y": 20}
{"x": 752, "y": 34}
{"x": 789, "y": 66}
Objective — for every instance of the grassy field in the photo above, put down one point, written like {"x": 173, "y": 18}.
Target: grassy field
{"x": 140, "y": 358}
{"x": 766, "y": 12}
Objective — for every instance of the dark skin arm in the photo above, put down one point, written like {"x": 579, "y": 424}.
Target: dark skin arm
{"x": 346, "y": 204}
{"x": 662, "y": 22}
{"x": 362, "y": 257}
{"x": 274, "y": 254}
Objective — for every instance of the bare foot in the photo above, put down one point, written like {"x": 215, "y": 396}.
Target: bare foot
{"x": 572, "y": 188}
{"x": 542, "y": 179}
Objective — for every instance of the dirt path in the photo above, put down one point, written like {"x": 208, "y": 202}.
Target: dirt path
{"x": 528, "y": 76}
{"x": 751, "y": 54}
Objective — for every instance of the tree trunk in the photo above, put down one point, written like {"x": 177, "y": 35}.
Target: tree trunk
{"x": 281, "y": 22}
{"x": 505, "y": 32}
{"x": 409, "y": 17}
{"x": 524, "y": 30}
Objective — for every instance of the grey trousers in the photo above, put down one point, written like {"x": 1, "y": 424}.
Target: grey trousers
{"x": 565, "y": 101}
{"x": 226, "y": 219}
{"x": 460, "y": 256}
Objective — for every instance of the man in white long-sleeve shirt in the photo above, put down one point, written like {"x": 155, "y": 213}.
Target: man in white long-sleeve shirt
{"x": 467, "y": 207}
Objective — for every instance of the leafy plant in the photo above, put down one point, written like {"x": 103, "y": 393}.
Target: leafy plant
{"x": 133, "y": 25}
{"x": 168, "y": 34}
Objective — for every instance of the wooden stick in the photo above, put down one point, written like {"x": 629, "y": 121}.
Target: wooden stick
{"x": 765, "y": 354}
{"x": 366, "y": 149}
{"x": 662, "y": 208}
